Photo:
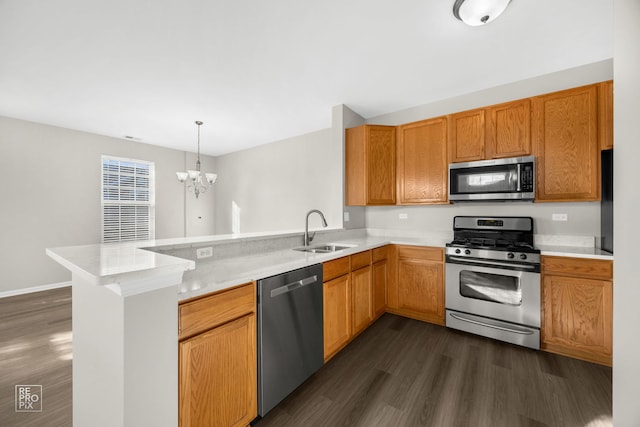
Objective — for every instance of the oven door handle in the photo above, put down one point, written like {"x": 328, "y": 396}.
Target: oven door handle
{"x": 488, "y": 325}
{"x": 491, "y": 263}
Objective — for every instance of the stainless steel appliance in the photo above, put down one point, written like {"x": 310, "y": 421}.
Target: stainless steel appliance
{"x": 493, "y": 279}
{"x": 498, "y": 179}
{"x": 290, "y": 333}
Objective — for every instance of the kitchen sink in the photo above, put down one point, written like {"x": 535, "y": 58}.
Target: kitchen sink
{"x": 323, "y": 249}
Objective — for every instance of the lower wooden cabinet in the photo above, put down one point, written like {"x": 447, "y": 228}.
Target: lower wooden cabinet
{"x": 336, "y": 294}
{"x": 379, "y": 277}
{"x": 417, "y": 288}
{"x": 362, "y": 302}
{"x": 577, "y": 300}
{"x": 217, "y": 366}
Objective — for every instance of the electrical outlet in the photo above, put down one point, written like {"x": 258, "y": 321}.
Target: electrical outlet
{"x": 204, "y": 252}
{"x": 560, "y": 217}
{"x": 403, "y": 216}
{"x": 346, "y": 217}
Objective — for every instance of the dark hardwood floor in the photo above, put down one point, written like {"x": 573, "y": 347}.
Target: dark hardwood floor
{"x": 35, "y": 349}
{"x": 399, "y": 372}
{"x": 402, "y": 372}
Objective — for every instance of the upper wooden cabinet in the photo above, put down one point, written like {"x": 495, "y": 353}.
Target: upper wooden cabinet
{"x": 422, "y": 162}
{"x": 566, "y": 146}
{"x": 370, "y": 165}
{"x": 508, "y": 130}
{"x": 493, "y": 132}
{"x": 606, "y": 115}
{"x": 466, "y": 136}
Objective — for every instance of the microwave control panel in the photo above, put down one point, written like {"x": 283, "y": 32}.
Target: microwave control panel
{"x": 527, "y": 177}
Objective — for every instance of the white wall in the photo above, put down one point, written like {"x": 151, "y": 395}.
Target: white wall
{"x": 584, "y": 218}
{"x": 276, "y": 184}
{"x": 50, "y": 196}
{"x": 626, "y": 286}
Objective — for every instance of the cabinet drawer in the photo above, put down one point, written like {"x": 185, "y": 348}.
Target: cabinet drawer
{"x": 335, "y": 268}
{"x": 380, "y": 254}
{"x": 360, "y": 260}
{"x": 425, "y": 253}
{"x": 205, "y": 313}
{"x": 578, "y": 267}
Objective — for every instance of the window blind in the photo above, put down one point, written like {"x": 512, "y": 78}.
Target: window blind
{"x": 128, "y": 200}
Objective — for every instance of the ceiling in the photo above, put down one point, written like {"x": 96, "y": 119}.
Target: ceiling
{"x": 260, "y": 71}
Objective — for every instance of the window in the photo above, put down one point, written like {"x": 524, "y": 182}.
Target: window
{"x": 128, "y": 200}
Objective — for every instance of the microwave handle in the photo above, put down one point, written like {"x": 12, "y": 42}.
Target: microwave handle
{"x": 519, "y": 179}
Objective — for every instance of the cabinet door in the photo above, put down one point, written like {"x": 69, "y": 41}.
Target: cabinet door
{"x": 577, "y": 318}
{"x": 370, "y": 165}
{"x": 422, "y": 162}
{"x": 605, "y": 103}
{"x": 508, "y": 130}
{"x": 466, "y": 136}
{"x": 337, "y": 314}
{"x": 419, "y": 284}
{"x": 362, "y": 299}
{"x": 565, "y": 143}
{"x": 379, "y": 276}
{"x": 217, "y": 376}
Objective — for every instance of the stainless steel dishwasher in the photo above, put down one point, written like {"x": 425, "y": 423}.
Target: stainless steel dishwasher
{"x": 290, "y": 333}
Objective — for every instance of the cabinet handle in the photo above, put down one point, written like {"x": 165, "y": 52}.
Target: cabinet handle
{"x": 502, "y": 328}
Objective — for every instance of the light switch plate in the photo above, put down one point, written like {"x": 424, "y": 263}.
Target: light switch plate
{"x": 560, "y": 217}
{"x": 346, "y": 217}
{"x": 204, "y": 252}
{"x": 403, "y": 216}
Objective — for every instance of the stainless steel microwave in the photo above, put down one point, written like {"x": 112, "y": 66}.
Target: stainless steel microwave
{"x": 499, "y": 179}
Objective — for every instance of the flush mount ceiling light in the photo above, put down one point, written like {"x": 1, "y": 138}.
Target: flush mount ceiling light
{"x": 194, "y": 180}
{"x": 478, "y": 12}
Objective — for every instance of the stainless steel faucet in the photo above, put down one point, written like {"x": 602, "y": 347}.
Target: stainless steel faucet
{"x": 308, "y": 238}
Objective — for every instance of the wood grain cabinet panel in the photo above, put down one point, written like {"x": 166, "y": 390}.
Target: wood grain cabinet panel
{"x": 362, "y": 299}
{"x": 466, "y": 136}
{"x": 508, "y": 130}
{"x": 417, "y": 290}
{"x": 370, "y": 165}
{"x": 605, "y": 103}
{"x": 422, "y": 162}
{"x": 565, "y": 143}
{"x": 218, "y": 378}
{"x": 577, "y": 305}
{"x": 379, "y": 276}
{"x": 336, "y": 295}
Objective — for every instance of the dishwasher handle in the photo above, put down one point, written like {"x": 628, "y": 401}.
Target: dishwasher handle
{"x": 293, "y": 286}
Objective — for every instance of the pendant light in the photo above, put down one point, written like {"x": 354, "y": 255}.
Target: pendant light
{"x": 195, "y": 181}
{"x": 478, "y": 12}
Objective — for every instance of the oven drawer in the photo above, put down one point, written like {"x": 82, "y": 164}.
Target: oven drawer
{"x": 496, "y": 329}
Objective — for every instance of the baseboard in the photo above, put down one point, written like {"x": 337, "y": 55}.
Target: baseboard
{"x": 34, "y": 289}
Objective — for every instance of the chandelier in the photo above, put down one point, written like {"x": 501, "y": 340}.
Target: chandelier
{"x": 194, "y": 180}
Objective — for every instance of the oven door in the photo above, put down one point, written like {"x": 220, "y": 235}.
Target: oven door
{"x": 494, "y": 292}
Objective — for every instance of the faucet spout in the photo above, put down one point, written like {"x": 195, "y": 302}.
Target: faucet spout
{"x": 307, "y": 237}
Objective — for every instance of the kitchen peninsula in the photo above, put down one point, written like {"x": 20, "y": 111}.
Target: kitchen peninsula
{"x": 125, "y": 308}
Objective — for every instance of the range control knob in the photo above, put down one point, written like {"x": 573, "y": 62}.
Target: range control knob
{"x": 510, "y": 255}
{"x": 467, "y": 252}
{"x": 457, "y": 251}
{"x": 523, "y": 256}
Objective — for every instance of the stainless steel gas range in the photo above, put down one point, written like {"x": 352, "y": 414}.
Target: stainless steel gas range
{"x": 493, "y": 279}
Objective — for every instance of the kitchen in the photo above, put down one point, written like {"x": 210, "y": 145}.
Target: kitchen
{"x": 388, "y": 217}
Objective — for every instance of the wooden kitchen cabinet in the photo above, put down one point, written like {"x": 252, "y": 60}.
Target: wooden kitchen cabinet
{"x": 566, "y": 145}
{"x": 577, "y": 307}
{"x": 218, "y": 360}
{"x": 422, "y": 162}
{"x": 336, "y": 294}
{"x": 370, "y": 165}
{"x": 466, "y": 136}
{"x": 379, "y": 274}
{"x": 362, "y": 292}
{"x": 605, "y": 103}
{"x": 508, "y": 130}
{"x": 417, "y": 288}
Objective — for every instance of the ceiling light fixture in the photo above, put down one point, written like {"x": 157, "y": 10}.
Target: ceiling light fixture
{"x": 193, "y": 178}
{"x": 479, "y": 12}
